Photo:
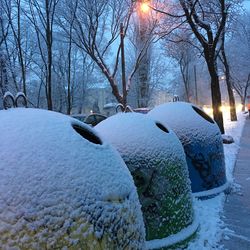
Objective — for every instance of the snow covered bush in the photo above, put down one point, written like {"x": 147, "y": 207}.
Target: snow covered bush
{"x": 62, "y": 187}
{"x": 156, "y": 159}
{"x": 202, "y": 142}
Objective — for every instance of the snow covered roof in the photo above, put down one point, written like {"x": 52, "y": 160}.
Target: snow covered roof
{"x": 61, "y": 185}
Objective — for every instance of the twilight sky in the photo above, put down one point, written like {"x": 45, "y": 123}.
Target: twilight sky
{"x": 247, "y": 4}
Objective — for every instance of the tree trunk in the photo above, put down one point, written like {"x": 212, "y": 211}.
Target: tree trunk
{"x": 49, "y": 79}
{"x": 242, "y": 100}
{"x": 215, "y": 89}
{"x": 11, "y": 68}
{"x": 19, "y": 44}
{"x": 216, "y": 100}
{"x": 39, "y": 94}
{"x": 124, "y": 85}
{"x": 195, "y": 84}
{"x": 245, "y": 90}
{"x": 233, "y": 115}
{"x": 185, "y": 77}
{"x": 3, "y": 72}
{"x": 69, "y": 77}
{"x": 49, "y": 54}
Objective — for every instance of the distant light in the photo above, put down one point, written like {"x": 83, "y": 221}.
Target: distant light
{"x": 208, "y": 110}
{"x": 91, "y": 111}
{"x": 144, "y": 7}
{"x": 239, "y": 107}
{"x": 224, "y": 109}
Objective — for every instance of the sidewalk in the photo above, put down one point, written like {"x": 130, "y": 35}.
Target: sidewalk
{"x": 237, "y": 205}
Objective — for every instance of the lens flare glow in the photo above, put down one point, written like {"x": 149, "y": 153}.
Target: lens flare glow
{"x": 208, "y": 110}
{"x": 144, "y": 7}
{"x": 225, "y": 109}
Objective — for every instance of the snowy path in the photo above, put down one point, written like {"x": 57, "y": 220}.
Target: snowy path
{"x": 210, "y": 212}
{"x": 237, "y": 206}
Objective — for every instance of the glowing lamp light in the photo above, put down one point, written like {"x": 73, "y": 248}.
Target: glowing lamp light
{"x": 144, "y": 7}
{"x": 239, "y": 107}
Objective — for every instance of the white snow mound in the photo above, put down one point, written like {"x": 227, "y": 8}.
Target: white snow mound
{"x": 135, "y": 136}
{"x": 60, "y": 190}
{"x": 156, "y": 159}
{"x": 202, "y": 142}
{"x": 186, "y": 122}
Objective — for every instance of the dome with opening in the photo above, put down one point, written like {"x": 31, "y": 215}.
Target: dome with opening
{"x": 155, "y": 157}
{"x": 202, "y": 142}
{"x": 62, "y": 187}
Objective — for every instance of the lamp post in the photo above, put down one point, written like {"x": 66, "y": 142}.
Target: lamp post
{"x": 142, "y": 38}
{"x": 124, "y": 87}
{"x": 143, "y": 44}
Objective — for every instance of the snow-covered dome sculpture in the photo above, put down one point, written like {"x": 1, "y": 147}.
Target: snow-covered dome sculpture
{"x": 62, "y": 187}
{"x": 156, "y": 159}
{"x": 202, "y": 142}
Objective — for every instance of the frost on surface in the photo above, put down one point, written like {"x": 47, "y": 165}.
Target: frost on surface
{"x": 156, "y": 159}
{"x": 202, "y": 142}
{"x": 59, "y": 190}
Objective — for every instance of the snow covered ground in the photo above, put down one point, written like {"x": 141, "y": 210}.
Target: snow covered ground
{"x": 209, "y": 211}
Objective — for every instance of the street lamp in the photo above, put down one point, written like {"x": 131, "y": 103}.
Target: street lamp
{"x": 144, "y": 7}
{"x": 143, "y": 47}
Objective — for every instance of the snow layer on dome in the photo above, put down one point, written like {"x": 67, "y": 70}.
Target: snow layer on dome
{"x": 133, "y": 134}
{"x": 58, "y": 189}
{"x": 186, "y": 122}
{"x": 156, "y": 159}
{"x": 201, "y": 139}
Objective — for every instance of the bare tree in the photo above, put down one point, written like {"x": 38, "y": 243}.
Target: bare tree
{"x": 242, "y": 88}
{"x": 183, "y": 53}
{"x": 239, "y": 56}
{"x": 207, "y": 21}
{"x": 208, "y": 34}
{"x": 234, "y": 13}
{"x": 4, "y": 24}
{"x": 15, "y": 10}
{"x": 4, "y": 28}
{"x": 97, "y": 32}
{"x": 42, "y": 16}
{"x": 229, "y": 83}
{"x": 69, "y": 40}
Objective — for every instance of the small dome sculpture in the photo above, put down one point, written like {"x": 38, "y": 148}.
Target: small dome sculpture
{"x": 62, "y": 187}
{"x": 156, "y": 160}
{"x": 202, "y": 142}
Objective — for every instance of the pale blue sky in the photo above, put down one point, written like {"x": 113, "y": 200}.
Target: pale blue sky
{"x": 247, "y": 4}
